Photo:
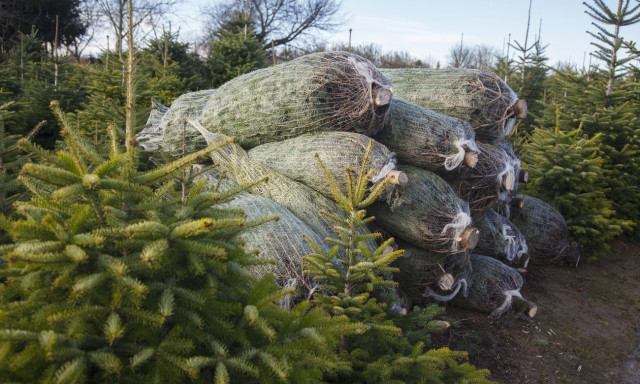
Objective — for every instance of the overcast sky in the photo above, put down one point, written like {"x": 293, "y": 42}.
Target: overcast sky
{"x": 428, "y": 28}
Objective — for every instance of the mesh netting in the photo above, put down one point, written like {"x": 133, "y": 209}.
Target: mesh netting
{"x": 425, "y": 274}
{"x": 279, "y": 244}
{"x": 501, "y": 239}
{"x": 335, "y": 91}
{"x": 425, "y": 138}
{"x": 479, "y": 97}
{"x": 425, "y": 212}
{"x": 545, "y": 230}
{"x": 481, "y": 186}
{"x": 302, "y": 201}
{"x": 492, "y": 286}
{"x": 295, "y": 158}
{"x": 150, "y": 138}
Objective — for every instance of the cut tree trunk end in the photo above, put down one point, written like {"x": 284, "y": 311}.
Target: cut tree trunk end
{"x": 524, "y": 306}
{"x": 523, "y": 176}
{"x": 517, "y": 202}
{"x": 471, "y": 159}
{"x": 520, "y": 109}
{"x": 381, "y": 96}
{"x": 398, "y": 177}
{"x": 469, "y": 238}
{"x": 438, "y": 326}
{"x": 446, "y": 281}
{"x": 509, "y": 181}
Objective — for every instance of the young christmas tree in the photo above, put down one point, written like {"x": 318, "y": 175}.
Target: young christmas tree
{"x": 117, "y": 274}
{"x": 377, "y": 352}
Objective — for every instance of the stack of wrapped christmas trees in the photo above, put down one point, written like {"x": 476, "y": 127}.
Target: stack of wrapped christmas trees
{"x": 440, "y": 136}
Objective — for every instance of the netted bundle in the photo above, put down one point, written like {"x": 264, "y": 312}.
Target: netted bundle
{"x": 481, "y": 186}
{"x": 494, "y": 288}
{"x": 173, "y": 119}
{"x": 150, "y": 138}
{"x": 478, "y": 97}
{"x": 425, "y": 274}
{"x": 427, "y": 139}
{"x": 302, "y": 201}
{"x": 427, "y": 213}
{"x": 295, "y": 158}
{"x": 545, "y": 230}
{"x": 335, "y": 91}
{"x": 501, "y": 239}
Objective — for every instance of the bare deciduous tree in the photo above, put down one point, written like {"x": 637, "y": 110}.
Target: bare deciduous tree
{"x": 145, "y": 12}
{"x": 282, "y": 21}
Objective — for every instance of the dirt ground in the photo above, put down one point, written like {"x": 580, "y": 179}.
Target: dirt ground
{"x": 587, "y": 329}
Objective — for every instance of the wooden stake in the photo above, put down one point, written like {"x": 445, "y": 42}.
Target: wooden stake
{"x": 398, "y": 177}
{"x": 55, "y": 56}
{"x": 381, "y": 96}
{"x": 524, "y": 306}
{"x": 273, "y": 52}
{"x": 471, "y": 159}
{"x": 520, "y": 109}
{"x": 523, "y": 177}
{"x": 469, "y": 238}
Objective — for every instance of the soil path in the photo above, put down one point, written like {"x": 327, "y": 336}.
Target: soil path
{"x": 587, "y": 329}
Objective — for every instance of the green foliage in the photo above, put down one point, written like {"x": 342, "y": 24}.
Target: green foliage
{"x": 567, "y": 169}
{"x": 235, "y": 51}
{"x": 374, "y": 346}
{"x": 11, "y": 160}
{"x": 583, "y": 158}
{"x": 114, "y": 276}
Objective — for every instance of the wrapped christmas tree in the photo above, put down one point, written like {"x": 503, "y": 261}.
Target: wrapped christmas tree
{"x": 426, "y": 212}
{"x": 501, "y": 239}
{"x": 494, "y": 288}
{"x": 546, "y": 232}
{"x": 428, "y": 139}
{"x": 278, "y": 243}
{"x": 482, "y": 185}
{"x": 479, "y": 97}
{"x": 327, "y": 91}
{"x": 296, "y": 158}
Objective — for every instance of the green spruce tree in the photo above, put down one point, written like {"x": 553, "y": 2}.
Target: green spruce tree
{"x": 377, "y": 351}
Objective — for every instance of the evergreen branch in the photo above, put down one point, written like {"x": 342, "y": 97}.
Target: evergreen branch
{"x": 50, "y": 175}
{"x": 167, "y": 170}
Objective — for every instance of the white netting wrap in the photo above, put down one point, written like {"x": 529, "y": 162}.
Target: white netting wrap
{"x": 423, "y": 212}
{"x": 462, "y": 283}
{"x": 479, "y": 97}
{"x": 492, "y": 286}
{"x": 295, "y": 158}
{"x": 327, "y": 91}
{"x": 454, "y": 229}
{"x": 453, "y": 161}
{"x": 501, "y": 239}
{"x": 425, "y": 138}
{"x": 390, "y": 166}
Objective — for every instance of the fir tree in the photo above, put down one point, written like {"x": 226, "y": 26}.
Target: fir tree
{"x": 235, "y": 51}
{"x": 566, "y": 169}
{"x": 377, "y": 351}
